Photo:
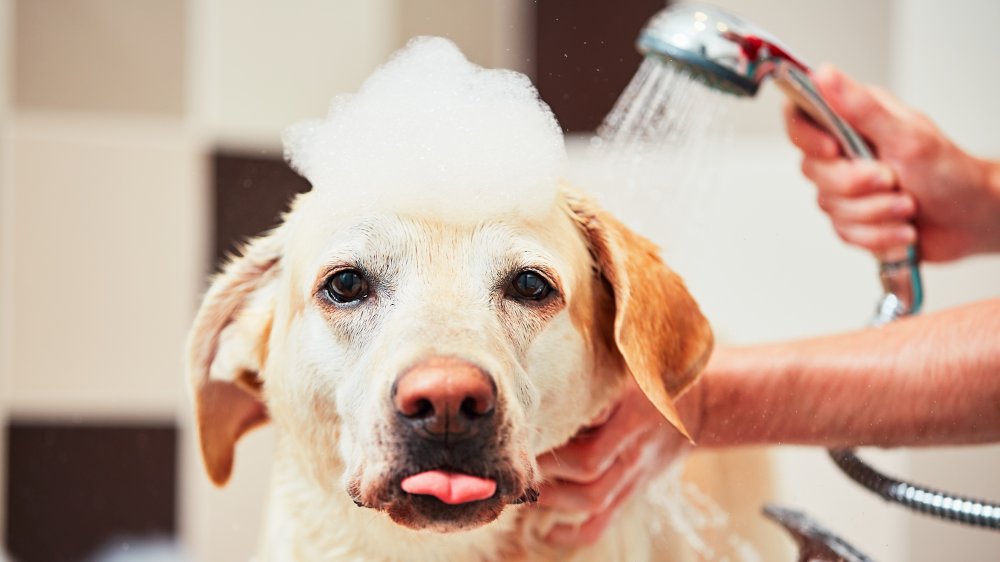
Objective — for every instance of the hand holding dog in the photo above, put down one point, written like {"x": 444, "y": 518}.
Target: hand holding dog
{"x": 599, "y": 468}
{"x": 921, "y": 181}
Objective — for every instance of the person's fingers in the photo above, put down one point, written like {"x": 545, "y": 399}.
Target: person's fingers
{"x": 872, "y": 208}
{"x": 600, "y": 420}
{"x": 807, "y": 136}
{"x": 584, "y": 459}
{"x": 593, "y": 528}
{"x": 872, "y": 115}
{"x": 599, "y": 494}
{"x": 587, "y": 457}
{"x": 848, "y": 178}
{"x": 589, "y": 498}
{"x": 878, "y": 238}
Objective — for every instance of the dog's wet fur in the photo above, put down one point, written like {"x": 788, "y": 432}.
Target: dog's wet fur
{"x": 267, "y": 341}
{"x": 436, "y": 198}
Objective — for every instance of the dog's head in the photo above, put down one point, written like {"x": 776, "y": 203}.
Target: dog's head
{"x": 419, "y": 365}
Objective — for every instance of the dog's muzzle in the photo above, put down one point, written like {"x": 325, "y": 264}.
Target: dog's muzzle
{"x": 454, "y": 469}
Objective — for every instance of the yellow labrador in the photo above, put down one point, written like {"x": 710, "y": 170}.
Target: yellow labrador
{"x": 414, "y": 368}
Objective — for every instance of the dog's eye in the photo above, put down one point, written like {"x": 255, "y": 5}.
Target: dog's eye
{"x": 530, "y": 285}
{"x": 347, "y": 286}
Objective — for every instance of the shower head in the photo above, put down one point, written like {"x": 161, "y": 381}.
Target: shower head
{"x": 732, "y": 55}
{"x": 715, "y": 47}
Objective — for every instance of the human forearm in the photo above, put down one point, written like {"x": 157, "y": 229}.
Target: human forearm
{"x": 921, "y": 381}
{"x": 993, "y": 181}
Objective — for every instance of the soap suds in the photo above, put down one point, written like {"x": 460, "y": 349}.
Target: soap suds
{"x": 430, "y": 132}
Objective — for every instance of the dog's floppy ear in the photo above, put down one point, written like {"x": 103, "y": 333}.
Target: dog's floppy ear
{"x": 226, "y": 350}
{"x": 658, "y": 328}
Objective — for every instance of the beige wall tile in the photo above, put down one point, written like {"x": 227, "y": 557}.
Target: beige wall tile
{"x": 269, "y": 64}
{"x": 491, "y": 33}
{"x": 468, "y": 24}
{"x": 100, "y": 55}
{"x": 945, "y": 65}
{"x": 107, "y": 259}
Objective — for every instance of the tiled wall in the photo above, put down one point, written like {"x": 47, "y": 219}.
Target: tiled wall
{"x": 110, "y": 110}
{"x": 101, "y": 246}
{"x": 110, "y": 113}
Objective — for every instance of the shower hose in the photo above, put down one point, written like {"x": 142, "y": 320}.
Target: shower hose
{"x": 933, "y": 502}
{"x": 937, "y": 503}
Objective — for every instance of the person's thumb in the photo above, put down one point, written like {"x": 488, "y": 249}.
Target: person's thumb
{"x": 857, "y": 105}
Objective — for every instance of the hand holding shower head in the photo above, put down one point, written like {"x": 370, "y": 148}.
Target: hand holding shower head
{"x": 731, "y": 55}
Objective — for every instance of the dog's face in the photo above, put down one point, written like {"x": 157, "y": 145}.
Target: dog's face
{"x": 420, "y": 366}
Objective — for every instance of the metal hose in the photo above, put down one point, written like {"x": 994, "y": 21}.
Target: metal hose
{"x": 903, "y": 297}
{"x": 932, "y": 502}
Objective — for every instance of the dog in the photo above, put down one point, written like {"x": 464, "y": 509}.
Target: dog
{"x": 417, "y": 349}
{"x": 468, "y": 349}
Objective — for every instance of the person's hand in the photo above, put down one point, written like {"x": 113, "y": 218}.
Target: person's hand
{"x": 599, "y": 468}
{"x": 921, "y": 178}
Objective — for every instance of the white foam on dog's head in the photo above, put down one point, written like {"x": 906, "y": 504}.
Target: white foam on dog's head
{"x": 430, "y": 132}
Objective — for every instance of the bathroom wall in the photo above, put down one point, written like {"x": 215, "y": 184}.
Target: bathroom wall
{"x": 105, "y": 190}
{"x": 109, "y": 112}
{"x": 6, "y": 27}
{"x": 941, "y": 57}
{"x": 100, "y": 229}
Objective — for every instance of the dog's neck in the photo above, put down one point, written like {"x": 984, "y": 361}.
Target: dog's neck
{"x": 306, "y": 523}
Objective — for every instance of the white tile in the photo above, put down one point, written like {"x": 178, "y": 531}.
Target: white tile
{"x": 270, "y": 64}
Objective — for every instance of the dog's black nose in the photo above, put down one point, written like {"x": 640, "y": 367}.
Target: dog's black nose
{"x": 445, "y": 398}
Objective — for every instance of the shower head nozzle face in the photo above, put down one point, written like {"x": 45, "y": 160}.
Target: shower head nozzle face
{"x": 704, "y": 70}
{"x": 715, "y": 47}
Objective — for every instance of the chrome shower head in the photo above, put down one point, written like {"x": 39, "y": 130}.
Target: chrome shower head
{"x": 716, "y": 47}
{"x": 732, "y": 55}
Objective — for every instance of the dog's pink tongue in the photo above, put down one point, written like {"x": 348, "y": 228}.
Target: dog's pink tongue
{"x": 450, "y": 487}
